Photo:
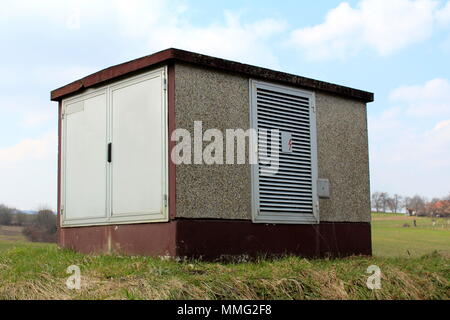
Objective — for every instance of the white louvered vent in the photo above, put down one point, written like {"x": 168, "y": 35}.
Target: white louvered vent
{"x": 284, "y": 180}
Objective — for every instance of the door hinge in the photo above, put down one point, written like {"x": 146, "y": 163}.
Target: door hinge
{"x": 313, "y": 107}
{"x": 165, "y": 200}
{"x": 165, "y": 84}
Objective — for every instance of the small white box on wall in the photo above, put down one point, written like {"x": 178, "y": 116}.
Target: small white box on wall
{"x": 323, "y": 188}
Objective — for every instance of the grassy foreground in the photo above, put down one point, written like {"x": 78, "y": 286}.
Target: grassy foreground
{"x": 38, "y": 271}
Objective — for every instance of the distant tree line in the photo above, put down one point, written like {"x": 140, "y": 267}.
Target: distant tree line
{"x": 12, "y": 217}
{"x": 38, "y": 227}
{"x": 416, "y": 205}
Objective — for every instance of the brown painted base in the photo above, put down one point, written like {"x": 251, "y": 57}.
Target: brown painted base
{"x": 132, "y": 239}
{"x": 212, "y": 239}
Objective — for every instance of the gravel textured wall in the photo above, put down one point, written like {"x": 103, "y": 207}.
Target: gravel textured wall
{"x": 220, "y": 100}
{"x": 342, "y": 150}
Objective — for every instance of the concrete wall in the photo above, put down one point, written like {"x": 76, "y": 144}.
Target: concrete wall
{"x": 221, "y": 100}
{"x": 343, "y": 158}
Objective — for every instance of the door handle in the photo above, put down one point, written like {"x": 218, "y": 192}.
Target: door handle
{"x": 109, "y": 152}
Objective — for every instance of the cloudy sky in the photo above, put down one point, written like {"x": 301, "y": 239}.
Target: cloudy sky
{"x": 398, "y": 49}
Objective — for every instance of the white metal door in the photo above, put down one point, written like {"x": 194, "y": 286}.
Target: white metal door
{"x": 138, "y": 148}
{"x": 128, "y": 184}
{"x": 84, "y": 166}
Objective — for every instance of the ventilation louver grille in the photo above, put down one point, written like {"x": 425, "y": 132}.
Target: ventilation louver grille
{"x": 285, "y": 189}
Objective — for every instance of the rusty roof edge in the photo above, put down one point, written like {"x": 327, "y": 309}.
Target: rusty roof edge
{"x": 270, "y": 74}
{"x": 111, "y": 73}
{"x": 206, "y": 61}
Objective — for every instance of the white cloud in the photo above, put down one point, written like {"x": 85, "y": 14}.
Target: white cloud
{"x": 137, "y": 17}
{"x": 28, "y": 110}
{"x": 429, "y": 99}
{"x": 163, "y": 24}
{"x": 384, "y": 26}
{"x": 147, "y": 26}
{"x": 45, "y": 77}
{"x": 437, "y": 146}
{"x": 29, "y": 149}
{"x": 406, "y": 152}
{"x": 412, "y": 160}
{"x": 60, "y": 75}
{"x": 233, "y": 40}
{"x": 28, "y": 173}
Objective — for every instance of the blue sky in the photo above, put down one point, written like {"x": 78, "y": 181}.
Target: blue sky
{"x": 398, "y": 49}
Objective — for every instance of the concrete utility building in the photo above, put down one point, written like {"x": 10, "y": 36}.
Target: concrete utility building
{"x": 120, "y": 191}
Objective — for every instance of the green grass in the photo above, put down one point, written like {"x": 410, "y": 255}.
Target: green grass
{"x": 387, "y": 214}
{"x": 38, "y": 271}
{"x": 414, "y": 262}
{"x": 390, "y": 238}
{"x": 11, "y": 233}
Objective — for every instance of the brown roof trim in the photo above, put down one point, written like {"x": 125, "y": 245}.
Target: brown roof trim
{"x": 206, "y": 61}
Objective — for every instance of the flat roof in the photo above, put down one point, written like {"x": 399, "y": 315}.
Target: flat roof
{"x": 173, "y": 54}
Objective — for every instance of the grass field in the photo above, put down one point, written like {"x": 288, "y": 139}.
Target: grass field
{"x": 392, "y": 238}
{"x": 11, "y": 233}
{"x": 38, "y": 271}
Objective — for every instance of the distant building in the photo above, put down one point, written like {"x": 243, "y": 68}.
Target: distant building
{"x": 439, "y": 208}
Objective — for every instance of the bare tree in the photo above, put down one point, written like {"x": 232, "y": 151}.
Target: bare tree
{"x": 407, "y": 204}
{"x": 417, "y": 203}
{"x": 394, "y": 203}
{"x": 380, "y": 201}
{"x": 376, "y": 204}
{"x": 384, "y": 196}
